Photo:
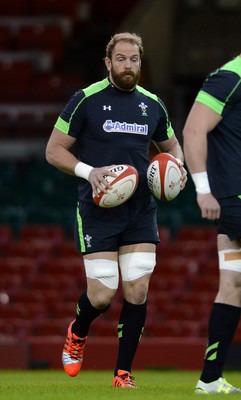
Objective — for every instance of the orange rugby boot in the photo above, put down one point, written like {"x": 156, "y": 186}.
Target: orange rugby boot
{"x": 124, "y": 380}
{"x": 72, "y": 356}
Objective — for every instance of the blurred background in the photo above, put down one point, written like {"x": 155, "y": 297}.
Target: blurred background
{"x": 48, "y": 50}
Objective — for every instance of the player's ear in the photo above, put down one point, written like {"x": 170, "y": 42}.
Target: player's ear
{"x": 108, "y": 63}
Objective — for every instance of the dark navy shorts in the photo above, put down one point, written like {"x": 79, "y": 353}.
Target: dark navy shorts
{"x": 230, "y": 219}
{"x": 99, "y": 229}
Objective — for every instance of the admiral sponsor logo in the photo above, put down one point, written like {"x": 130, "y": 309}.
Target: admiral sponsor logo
{"x": 151, "y": 176}
{"x": 118, "y": 168}
{"x": 110, "y": 126}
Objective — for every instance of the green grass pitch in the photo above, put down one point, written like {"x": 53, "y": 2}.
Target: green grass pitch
{"x": 96, "y": 385}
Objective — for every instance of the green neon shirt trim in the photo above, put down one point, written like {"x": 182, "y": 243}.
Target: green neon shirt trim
{"x": 80, "y": 230}
{"x": 210, "y": 101}
{"x": 96, "y": 87}
{"x": 233, "y": 66}
{"x": 146, "y": 93}
{"x": 62, "y": 126}
{"x": 170, "y": 131}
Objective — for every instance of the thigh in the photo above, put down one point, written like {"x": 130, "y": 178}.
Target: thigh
{"x": 102, "y": 277}
{"x": 137, "y": 263}
{"x": 142, "y": 223}
{"x": 138, "y": 247}
{"x": 229, "y": 223}
{"x": 224, "y": 243}
{"x": 97, "y": 229}
{"x": 229, "y": 288}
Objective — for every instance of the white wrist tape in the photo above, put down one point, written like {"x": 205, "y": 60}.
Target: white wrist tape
{"x": 201, "y": 183}
{"x": 83, "y": 170}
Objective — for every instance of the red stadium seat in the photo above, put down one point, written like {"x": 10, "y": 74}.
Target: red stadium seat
{"x": 198, "y": 297}
{"x": 38, "y": 248}
{"x": 177, "y": 265}
{"x": 197, "y": 233}
{"x": 39, "y": 36}
{"x": 55, "y": 7}
{"x": 51, "y": 232}
{"x": 72, "y": 265}
{"x": 13, "y": 8}
{"x": 10, "y": 282}
{"x": 35, "y": 123}
{"x": 6, "y": 37}
{"x": 58, "y": 87}
{"x": 102, "y": 327}
{"x": 36, "y": 311}
{"x": 166, "y": 282}
{"x": 184, "y": 311}
{"x": 10, "y": 310}
{"x": 68, "y": 249}
{"x": 6, "y": 236}
{"x": 64, "y": 310}
{"x": 26, "y": 296}
{"x": 159, "y": 298}
{"x": 210, "y": 266}
{"x": 45, "y": 282}
{"x": 174, "y": 328}
{"x": 190, "y": 248}
{"x": 237, "y": 336}
{"x": 12, "y": 87}
{"x": 17, "y": 327}
{"x": 207, "y": 283}
{"x": 26, "y": 267}
{"x": 53, "y": 327}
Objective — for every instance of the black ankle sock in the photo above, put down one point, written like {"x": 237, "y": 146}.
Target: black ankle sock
{"x": 85, "y": 314}
{"x": 223, "y": 322}
{"x": 130, "y": 327}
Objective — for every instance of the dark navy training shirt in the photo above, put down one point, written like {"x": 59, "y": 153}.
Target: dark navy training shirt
{"x": 221, "y": 92}
{"x": 114, "y": 127}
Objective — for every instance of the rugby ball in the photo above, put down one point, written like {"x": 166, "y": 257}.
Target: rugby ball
{"x": 164, "y": 177}
{"x": 123, "y": 186}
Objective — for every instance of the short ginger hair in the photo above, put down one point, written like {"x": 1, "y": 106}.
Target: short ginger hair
{"x": 127, "y": 37}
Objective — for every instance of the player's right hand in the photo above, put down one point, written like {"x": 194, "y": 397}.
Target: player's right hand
{"x": 209, "y": 206}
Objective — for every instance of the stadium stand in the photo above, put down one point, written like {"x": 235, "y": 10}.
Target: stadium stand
{"x": 44, "y": 45}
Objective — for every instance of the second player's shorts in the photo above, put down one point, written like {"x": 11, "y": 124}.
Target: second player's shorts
{"x": 99, "y": 229}
{"x": 230, "y": 219}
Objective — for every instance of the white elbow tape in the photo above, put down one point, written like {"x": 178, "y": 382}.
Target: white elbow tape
{"x": 201, "y": 183}
{"x": 83, "y": 170}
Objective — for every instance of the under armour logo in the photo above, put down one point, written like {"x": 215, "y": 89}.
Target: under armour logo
{"x": 107, "y": 108}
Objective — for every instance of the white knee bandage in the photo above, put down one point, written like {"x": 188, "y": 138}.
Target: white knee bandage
{"x": 106, "y": 271}
{"x": 135, "y": 265}
{"x": 230, "y": 260}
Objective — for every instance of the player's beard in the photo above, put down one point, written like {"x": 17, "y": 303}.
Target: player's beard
{"x": 126, "y": 80}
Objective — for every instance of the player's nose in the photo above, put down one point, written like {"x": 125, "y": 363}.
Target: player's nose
{"x": 127, "y": 63}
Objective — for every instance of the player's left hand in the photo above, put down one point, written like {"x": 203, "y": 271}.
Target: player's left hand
{"x": 184, "y": 174}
